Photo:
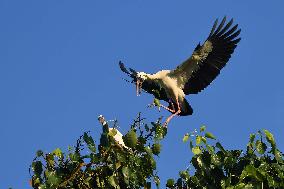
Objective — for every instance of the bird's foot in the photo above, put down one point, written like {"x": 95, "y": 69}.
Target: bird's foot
{"x": 175, "y": 113}
{"x": 165, "y": 124}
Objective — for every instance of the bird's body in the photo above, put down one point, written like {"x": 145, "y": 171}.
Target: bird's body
{"x": 194, "y": 74}
{"x": 166, "y": 88}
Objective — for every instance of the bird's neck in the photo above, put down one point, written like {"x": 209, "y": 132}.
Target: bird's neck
{"x": 160, "y": 74}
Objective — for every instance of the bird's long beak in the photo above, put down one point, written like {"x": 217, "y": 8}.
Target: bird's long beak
{"x": 138, "y": 86}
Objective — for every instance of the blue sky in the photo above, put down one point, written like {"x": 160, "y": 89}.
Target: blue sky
{"x": 59, "y": 71}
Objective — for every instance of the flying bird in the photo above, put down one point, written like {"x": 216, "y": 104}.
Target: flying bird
{"x": 194, "y": 74}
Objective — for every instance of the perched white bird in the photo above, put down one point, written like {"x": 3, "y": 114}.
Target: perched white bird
{"x": 194, "y": 74}
{"x": 118, "y": 137}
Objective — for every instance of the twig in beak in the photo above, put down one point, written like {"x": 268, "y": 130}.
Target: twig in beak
{"x": 137, "y": 87}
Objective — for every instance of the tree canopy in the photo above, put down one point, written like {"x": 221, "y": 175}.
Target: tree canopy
{"x": 133, "y": 165}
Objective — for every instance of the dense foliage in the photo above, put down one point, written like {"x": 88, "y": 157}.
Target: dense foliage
{"x": 260, "y": 166}
{"x": 112, "y": 165}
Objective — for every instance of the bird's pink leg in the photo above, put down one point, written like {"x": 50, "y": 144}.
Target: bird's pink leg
{"x": 173, "y": 115}
{"x": 170, "y": 110}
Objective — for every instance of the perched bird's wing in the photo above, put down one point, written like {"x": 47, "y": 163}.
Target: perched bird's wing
{"x": 197, "y": 72}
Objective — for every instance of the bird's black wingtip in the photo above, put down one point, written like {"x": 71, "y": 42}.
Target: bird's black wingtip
{"x": 122, "y": 67}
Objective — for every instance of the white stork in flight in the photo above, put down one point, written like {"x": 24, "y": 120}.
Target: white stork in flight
{"x": 194, "y": 74}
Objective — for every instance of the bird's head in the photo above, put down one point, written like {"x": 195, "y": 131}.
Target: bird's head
{"x": 137, "y": 77}
{"x": 140, "y": 78}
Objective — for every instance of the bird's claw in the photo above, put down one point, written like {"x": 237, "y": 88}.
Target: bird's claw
{"x": 165, "y": 124}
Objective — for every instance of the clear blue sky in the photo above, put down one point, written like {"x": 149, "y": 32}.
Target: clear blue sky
{"x": 59, "y": 71}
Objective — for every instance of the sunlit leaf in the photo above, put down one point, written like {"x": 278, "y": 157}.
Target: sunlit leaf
{"x": 112, "y": 132}
{"x": 160, "y": 132}
{"x": 126, "y": 173}
{"x": 198, "y": 139}
{"x": 260, "y": 147}
{"x": 251, "y": 137}
{"x": 157, "y": 102}
{"x": 112, "y": 180}
{"x": 57, "y": 152}
{"x": 196, "y": 150}
{"x": 269, "y": 137}
{"x": 185, "y": 137}
{"x": 184, "y": 175}
{"x": 157, "y": 181}
{"x": 202, "y": 128}
{"x": 203, "y": 139}
{"x": 278, "y": 156}
{"x": 251, "y": 171}
{"x": 50, "y": 159}
{"x": 53, "y": 179}
{"x": 170, "y": 183}
{"x": 209, "y": 135}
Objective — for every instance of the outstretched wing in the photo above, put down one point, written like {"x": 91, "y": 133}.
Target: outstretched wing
{"x": 197, "y": 72}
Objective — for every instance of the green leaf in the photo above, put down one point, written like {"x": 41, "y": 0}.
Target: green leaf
{"x": 202, "y": 128}
{"x": 42, "y": 186}
{"x": 198, "y": 139}
{"x": 57, "y": 152}
{"x": 179, "y": 182}
{"x": 184, "y": 175}
{"x": 156, "y": 148}
{"x": 112, "y": 132}
{"x": 170, "y": 183}
{"x": 52, "y": 178}
{"x": 147, "y": 185}
{"x": 37, "y": 168}
{"x": 251, "y": 171}
{"x": 148, "y": 150}
{"x": 130, "y": 139}
{"x": 278, "y": 156}
{"x": 190, "y": 144}
{"x": 160, "y": 132}
{"x": 75, "y": 157}
{"x": 113, "y": 182}
{"x": 50, "y": 159}
{"x": 209, "y": 135}
{"x": 126, "y": 173}
{"x": 251, "y": 137}
{"x": 185, "y": 137}
{"x": 196, "y": 150}
{"x": 94, "y": 158}
{"x": 157, "y": 181}
{"x": 203, "y": 139}
{"x": 39, "y": 153}
{"x": 90, "y": 142}
{"x": 211, "y": 149}
{"x": 218, "y": 145}
{"x": 260, "y": 147}
{"x": 269, "y": 137}
{"x": 157, "y": 102}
